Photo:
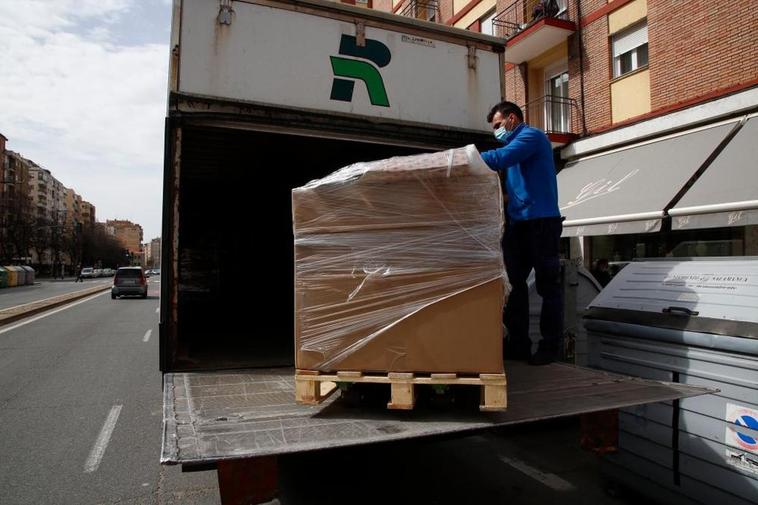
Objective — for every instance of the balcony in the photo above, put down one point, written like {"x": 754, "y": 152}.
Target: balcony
{"x": 427, "y": 10}
{"x": 557, "y": 116}
{"x": 531, "y": 27}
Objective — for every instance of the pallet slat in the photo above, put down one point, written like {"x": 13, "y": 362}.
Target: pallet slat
{"x": 349, "y": 375}
{"x": 402, "y": 386}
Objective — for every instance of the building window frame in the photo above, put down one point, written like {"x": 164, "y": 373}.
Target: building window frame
{"x": 553, "y": 111}
{"x": 629, "y": 50}
{"x": 486, "y": 25}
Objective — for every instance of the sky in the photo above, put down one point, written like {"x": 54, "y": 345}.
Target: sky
{"x": 83, "y": 87}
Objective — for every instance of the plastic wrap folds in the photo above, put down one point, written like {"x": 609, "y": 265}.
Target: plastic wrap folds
{"x": 398, "y": 266}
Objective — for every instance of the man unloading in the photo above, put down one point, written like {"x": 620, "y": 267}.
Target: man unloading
{"x": 532, "y": 232}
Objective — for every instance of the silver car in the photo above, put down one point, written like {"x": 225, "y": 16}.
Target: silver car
{"x": 129, "y": 281}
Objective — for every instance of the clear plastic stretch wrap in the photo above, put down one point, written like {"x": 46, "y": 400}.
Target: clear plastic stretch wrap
{"x": 398, "y": 266}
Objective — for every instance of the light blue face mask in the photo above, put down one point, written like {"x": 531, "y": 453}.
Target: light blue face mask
{"x": 501, "y": 134}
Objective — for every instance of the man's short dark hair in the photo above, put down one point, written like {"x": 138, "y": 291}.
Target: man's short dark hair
{"x": 505, "y": 108}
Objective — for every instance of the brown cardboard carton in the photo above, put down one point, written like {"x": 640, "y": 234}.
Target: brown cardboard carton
{"x": 398, "y": 267}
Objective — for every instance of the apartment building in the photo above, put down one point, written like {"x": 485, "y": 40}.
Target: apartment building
{"x": 650, "y": 106}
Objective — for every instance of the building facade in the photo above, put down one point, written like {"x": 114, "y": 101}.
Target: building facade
{"x": 155, "y": 253}
{"x": 128, "y": 234}
{"x": 16, "y": 211}
{"x": 650, "y": 107}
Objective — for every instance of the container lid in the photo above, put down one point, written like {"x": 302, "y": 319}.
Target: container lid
{"x": 713, "y": 296}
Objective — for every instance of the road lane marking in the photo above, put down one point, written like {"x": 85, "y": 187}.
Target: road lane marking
{"x": 548, "y": 479}
{"x": 98, "y": 450}
{"x": 147, "y": 335}
{"x": 46, "y": 314}
{"x": 157, "y": 310}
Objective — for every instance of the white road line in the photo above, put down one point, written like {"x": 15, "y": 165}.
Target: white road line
{"x": 157, "y": 310}
{"x": 147, "y": 335}
{"x": 548, "y": 479}
{"x": 46, "y": 314}
{"x": 42, "y": 300}
{"x": 98, "y": 450}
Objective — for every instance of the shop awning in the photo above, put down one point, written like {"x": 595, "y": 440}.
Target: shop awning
{"x": 727, "y": 193}
{"x": 627, "y": 190}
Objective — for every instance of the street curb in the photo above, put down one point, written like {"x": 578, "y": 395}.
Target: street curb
{"x": 13, "y": 314}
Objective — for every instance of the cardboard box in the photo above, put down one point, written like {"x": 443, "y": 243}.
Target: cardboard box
{"x": 398, "y": 267}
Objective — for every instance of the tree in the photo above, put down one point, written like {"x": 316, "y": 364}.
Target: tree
{"x": 72, "y": 244}
{"x": 100, "y": 247}
{"x": 40, "y": 238}
{"x": 16, "y": 224}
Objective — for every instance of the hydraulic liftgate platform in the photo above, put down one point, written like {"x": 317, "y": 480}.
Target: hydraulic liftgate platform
{"x": 241, "y": 420}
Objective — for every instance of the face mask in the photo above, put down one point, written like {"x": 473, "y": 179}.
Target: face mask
{"x": 508, "y": 130}
{"x": 501, "y": 134}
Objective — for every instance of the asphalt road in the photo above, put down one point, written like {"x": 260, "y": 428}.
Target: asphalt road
{"x": 64, "y": 380}
{"x": 80, "y": 423}
{"x": 10, "y": 297}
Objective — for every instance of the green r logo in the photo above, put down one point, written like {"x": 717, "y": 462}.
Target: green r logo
{"x": 348, "y": 68}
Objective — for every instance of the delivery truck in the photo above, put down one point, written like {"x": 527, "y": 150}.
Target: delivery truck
{"x": 264, "y": 96}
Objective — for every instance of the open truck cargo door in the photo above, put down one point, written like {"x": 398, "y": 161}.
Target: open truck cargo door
{"x": 264, "y": 100}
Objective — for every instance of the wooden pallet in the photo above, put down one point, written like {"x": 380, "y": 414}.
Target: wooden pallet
{"x": 313, "y": 387}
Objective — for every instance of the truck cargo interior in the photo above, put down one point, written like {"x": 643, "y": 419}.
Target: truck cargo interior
{"x": 236, "y": 204}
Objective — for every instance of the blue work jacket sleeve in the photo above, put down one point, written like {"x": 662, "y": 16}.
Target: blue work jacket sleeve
{"x": 524, "y": 145}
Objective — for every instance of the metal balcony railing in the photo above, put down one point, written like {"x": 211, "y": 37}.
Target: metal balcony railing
{"x": 554, "y": 114}
{"x": 428, "y": 10}
{"x": 521, "y": 14}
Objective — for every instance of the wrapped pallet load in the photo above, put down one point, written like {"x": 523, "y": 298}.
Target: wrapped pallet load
{"x": 398, "y": 267}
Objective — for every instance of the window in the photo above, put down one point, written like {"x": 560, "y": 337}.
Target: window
{"x": 557, "y": 111}
{"x": 562, "y": 9}
{"x": 486, "y": 22}
{"x": 629, "y": 50}
{"x": 422, "y": 9}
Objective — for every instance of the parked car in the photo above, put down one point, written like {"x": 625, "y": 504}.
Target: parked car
{"x": 129, "y": 281}
{"x": 88, "y": 273}
{"x": 148, "y": 273}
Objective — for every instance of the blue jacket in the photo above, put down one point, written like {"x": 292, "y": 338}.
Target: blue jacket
{"x": 526, "y": 160}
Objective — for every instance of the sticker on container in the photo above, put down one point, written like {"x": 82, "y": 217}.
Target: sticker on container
{"x": 742, "y": 438}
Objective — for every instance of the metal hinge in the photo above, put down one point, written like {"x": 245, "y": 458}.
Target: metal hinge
{"x": 471, "y": 57}
{"x": 360, "y": 34}
{"x": 225, "y": 12}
